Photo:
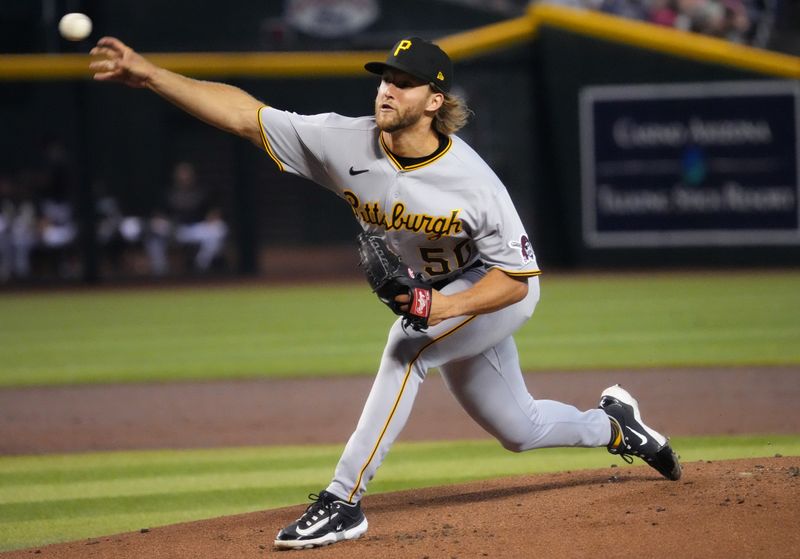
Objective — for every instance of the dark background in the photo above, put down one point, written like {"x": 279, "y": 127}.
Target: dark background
{"x": 125, "y": 142}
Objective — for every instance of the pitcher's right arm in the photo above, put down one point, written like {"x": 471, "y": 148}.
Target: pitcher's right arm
{"x": 221, "y": 105}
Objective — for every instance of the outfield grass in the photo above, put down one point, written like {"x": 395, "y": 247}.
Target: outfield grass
{"x": 605, "y": 321}
{"x": 46, "y": 499}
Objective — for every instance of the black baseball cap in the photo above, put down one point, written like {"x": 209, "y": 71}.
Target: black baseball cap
{"x": 420, "y": 58}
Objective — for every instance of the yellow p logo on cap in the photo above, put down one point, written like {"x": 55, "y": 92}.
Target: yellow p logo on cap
{"x": 405, "y": 44}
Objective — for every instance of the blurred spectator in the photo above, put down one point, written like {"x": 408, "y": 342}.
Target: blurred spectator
{"x": 18, "y": 234}
{"x": 36, "y": 217}
{"x": 743, "y": 21}
{"x": 578, "y": 4}
{"x": 57, "y": 228}
{"x": 7, "y": 212}
{"x": 109, "y": 215}
{"x": 663, "y": 12}
{"x": 631, "y": 9}
{"x": 109, "y": 230}
{"x": 719, "y": 18}
{"x": 189, "y": 218}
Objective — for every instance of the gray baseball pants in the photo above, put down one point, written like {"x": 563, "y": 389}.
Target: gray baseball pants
{"x": 478, "y": 359}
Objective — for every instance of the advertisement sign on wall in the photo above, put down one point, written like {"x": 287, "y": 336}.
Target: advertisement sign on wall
{"x": 700, "y": 164}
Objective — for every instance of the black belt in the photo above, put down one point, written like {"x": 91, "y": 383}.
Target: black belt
{"x": 439, "y": 285}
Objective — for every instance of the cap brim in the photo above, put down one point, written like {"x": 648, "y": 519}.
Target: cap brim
{"x": 375, "y": 67}
{"x": 379, "y": 67}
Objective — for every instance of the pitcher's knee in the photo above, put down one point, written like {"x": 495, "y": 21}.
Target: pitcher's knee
{"x": 514, "y": 445}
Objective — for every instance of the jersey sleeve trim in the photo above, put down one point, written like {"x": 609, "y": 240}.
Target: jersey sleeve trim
{"x": 518, "y": 274}
{"x": 265, "y": 141}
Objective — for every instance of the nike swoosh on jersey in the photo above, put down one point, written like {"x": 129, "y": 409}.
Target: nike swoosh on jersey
{"x": 354, "y": 172}
{"x": 638, "y": 434}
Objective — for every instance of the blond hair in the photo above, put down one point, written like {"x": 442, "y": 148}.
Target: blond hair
{"x": 452, "y": 116}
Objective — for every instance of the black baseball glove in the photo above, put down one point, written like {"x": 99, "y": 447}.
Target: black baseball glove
{"x": 389, "y": 277}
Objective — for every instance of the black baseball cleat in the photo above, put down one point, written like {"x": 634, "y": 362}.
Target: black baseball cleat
{"x": 327, "y": 520}
{"x": 631, "y": 437}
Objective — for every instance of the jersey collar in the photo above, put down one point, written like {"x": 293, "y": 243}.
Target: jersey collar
{"x": 434, "y": 156}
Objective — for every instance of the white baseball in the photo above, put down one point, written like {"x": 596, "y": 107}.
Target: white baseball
{"x": 75, "y": 26}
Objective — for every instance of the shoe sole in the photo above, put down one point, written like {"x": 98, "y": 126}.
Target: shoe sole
{"x": 667, "y": 456}
{"x": 331, "y": 537}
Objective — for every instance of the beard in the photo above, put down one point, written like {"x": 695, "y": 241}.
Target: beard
{"x": 399, "y": 118}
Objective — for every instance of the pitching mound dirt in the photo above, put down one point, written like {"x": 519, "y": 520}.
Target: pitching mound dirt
{"x": 740, "y": 508}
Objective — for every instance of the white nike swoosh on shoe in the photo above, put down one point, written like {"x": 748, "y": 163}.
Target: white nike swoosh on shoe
{"x": 314, "y": 527}
{"x": 638, "y": 434}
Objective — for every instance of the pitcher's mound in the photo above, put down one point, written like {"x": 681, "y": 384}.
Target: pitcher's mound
{"x": 738, "y": 508}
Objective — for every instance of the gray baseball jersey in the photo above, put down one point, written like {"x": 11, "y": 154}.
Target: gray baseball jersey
{"x": 450, "y": 218}
{"x": 439, "y": 216}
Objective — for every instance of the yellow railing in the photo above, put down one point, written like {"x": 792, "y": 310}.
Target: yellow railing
{"x": 461, "y": 46}
{"x": 667, "y": 40}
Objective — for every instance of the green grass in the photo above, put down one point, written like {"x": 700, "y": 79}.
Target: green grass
{"x": 188, "y": 333}
{"x": 606, "y": 321}
{"x": 45, "y": 499}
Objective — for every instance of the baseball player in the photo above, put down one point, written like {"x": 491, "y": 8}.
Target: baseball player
{"x": 439, "y": 207}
